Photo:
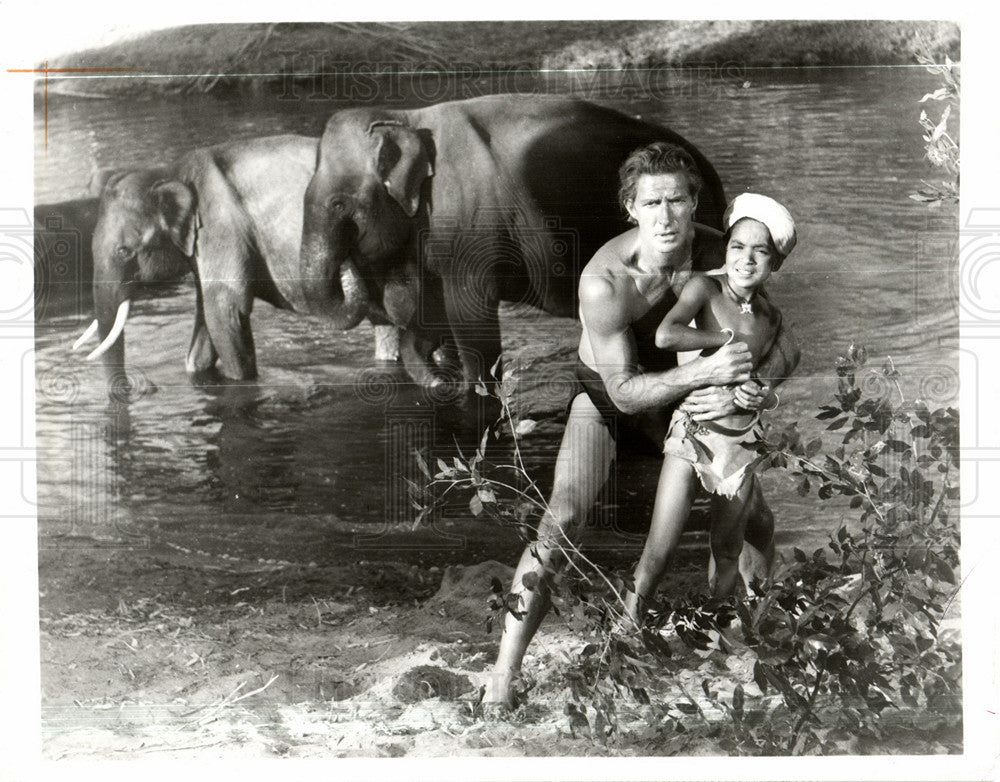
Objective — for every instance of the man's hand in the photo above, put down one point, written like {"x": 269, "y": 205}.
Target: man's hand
{"x": 707, "y": 404}
{"x": 731, "y": 363}
{"x": 754, "y": 396}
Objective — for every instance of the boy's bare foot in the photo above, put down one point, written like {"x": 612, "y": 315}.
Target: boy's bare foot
{"x": 635, "y": 610}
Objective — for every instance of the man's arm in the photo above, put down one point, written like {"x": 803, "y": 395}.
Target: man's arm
{"x": 604, "y": 310}
{"x": 780, "y": 361}
{"x": 675, "y": 334}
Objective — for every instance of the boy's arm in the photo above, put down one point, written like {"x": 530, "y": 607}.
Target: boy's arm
{"x": 675, "y": 334}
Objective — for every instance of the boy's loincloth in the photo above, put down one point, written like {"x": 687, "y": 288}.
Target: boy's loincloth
{"x": 720, "y": 455}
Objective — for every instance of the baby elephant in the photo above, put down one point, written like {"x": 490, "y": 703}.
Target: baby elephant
{"x": 231, "y": 214}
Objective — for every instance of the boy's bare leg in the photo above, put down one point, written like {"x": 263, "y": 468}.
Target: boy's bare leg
{"x": 757, "y": 557}
{"x": 674, "y": 495}
{"x": 585, "y": 457}
{"x": 729, "y": 521}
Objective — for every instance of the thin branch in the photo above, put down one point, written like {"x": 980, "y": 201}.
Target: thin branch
{"x": 808, "y": 712}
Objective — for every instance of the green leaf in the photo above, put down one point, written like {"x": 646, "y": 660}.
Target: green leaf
{"x": 486, "y": 495}
{"x": 476, "y": 505}
{"x": 813, "y": 447}
{"x": 738, "y": 699}
{"x": 525, "y": 426}
{"x": 422, "y": 464}
{"x": 530, "y": 580}
{"x": 759, "y": 676}
{"x": 837, "y": 424}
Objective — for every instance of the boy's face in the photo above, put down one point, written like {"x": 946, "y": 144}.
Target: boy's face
{"x": 750, "y": 255}
{"x": 664, "y": 208}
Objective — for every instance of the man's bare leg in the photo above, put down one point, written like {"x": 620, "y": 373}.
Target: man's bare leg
{"x": 585, "y": 457}
{"x": 674, "y": 495}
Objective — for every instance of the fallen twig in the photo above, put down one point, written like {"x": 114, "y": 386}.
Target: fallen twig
{"x": 167, "y": 748}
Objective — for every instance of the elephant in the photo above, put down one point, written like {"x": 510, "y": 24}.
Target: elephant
{"x": 447, "y": 210}
{"x": 232, "y": 215}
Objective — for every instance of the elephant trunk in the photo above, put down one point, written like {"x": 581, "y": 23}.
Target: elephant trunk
{"x": 112, "y": 301}
{"x": 331, "y": 284}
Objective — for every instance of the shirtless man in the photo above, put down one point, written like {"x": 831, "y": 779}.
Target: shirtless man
{"x": 627, "y": 386}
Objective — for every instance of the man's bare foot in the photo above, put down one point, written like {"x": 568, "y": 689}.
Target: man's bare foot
{"x": 504, "y": 690}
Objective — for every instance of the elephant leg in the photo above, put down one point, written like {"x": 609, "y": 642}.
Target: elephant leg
{"x": 415, "y": 350}
{"x": 201, "y": 356}
{"x": 445, "y": 358}
{"x": 227, "y": 315}
{"x": 475, "y": 326}
{"x": 387, "y": 339}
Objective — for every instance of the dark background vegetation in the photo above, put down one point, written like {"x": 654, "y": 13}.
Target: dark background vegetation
{"x": 208, "y": 58}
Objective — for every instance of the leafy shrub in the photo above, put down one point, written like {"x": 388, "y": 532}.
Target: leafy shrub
{"x": 834, "y": 638}
{"x": 941, "y": 149}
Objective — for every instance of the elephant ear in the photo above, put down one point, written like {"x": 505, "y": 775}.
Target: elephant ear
{"x": 101, "y": 178}
{"x": 176, "y": 205}
{"x": 401, "y": 162}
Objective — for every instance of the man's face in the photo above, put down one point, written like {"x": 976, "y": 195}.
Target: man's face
{"x": 664, "y": 208}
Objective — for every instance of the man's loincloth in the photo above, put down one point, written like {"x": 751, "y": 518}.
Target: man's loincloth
{"x": 643, "y": 432}
{"x": 721, "y": 456}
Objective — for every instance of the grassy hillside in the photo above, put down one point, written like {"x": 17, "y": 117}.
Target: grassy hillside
{"x": 216, "y": 58}
{"x": 764, "y": 43}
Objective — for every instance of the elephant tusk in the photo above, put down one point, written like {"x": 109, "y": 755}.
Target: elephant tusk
{"x": 119, "y": 326}
{"x": 86, "y": 335}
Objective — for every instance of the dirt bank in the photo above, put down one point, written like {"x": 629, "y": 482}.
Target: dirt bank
{"x": 167, "y": 653}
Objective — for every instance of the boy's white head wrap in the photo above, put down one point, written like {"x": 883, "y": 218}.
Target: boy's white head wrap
{"x": 766, "y": 210}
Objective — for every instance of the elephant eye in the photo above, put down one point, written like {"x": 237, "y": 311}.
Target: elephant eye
{"x": 124, "y": 253}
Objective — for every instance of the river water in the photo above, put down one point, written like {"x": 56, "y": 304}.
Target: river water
{"x": 307, "y": 463}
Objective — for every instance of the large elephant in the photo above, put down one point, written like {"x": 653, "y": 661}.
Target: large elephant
{"x": 231, "y": 214}
{"x": 447, "y": 210}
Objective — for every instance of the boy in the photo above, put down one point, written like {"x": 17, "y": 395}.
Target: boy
{"x": 760, "y": 233}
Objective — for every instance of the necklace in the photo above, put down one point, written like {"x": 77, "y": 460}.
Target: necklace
{"x": 746, "y": 305}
